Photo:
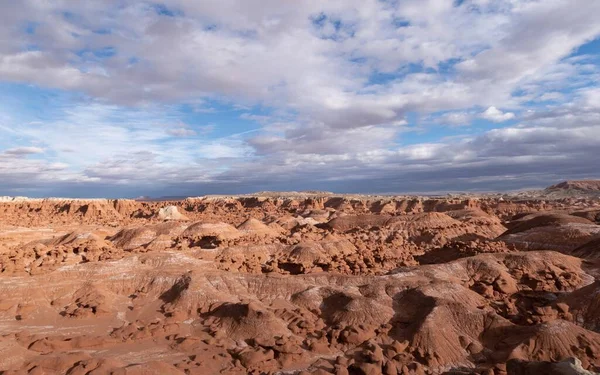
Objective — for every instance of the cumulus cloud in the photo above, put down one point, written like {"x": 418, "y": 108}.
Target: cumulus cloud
{"x": 224, "y": 49}
{"x": 496, "y": 115}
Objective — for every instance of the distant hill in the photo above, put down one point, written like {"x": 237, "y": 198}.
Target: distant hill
{"x": 583, "y": 185}
{"x": 582, "y": 188}
{"x": 161, "y": 199}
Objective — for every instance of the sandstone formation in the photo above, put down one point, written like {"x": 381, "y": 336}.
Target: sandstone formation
{"x": 300, "y": 283}
{"x": 170, "y": 213}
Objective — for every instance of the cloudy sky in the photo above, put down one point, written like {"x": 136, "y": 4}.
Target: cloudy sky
{"x": 126, "y": 98}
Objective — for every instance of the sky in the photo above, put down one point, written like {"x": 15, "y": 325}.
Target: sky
{"x": 121, "y": 98}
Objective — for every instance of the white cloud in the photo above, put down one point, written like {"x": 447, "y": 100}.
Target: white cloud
{"x": 247, "y": 52}
{"x": 342, "y": 93}
{"x": 24, "y": 151}
{"x": 181, "y": 132}
{"x": 496, "y": 115}
{"x": 591, "y": 98}
{"x": 455, "y": 119}
{"x": 551, "y": 96}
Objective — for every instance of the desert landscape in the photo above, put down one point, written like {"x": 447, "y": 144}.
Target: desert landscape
{"x": 300, "y": 187}
{"x": 303, "y": 283}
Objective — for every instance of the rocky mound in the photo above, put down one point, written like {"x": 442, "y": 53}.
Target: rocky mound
{"x": 556, "y": 341}
{"x": 46, "y": 255}
{"x": 591, "y": 215}
{"x": 221, "y": 230}
{"x": 209, "y": 235}
{"x": 569, "y": 366}
{"x": 438, "y": 228}
{"x": 136, "y": 237}
{"x": 253, "y": 226}
{"x": 245, "y": 321}
{"x": 348, "y": 222}
{"x": 553, "y": 231}
{"x": 73, "y": 238}
{"x": 584, "y": 306}
{"x": 170, "y": 213}
{"x": 538, "y": 220}
{"x": 589, "y": 250}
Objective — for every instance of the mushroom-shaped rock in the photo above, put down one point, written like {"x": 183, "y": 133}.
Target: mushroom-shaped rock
{"x": 170, "y": 213}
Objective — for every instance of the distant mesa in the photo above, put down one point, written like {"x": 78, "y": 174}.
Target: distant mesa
{"x": 582, "y": 185}
{"x": 290, "y": 193}
{"x": 145, "y": 198}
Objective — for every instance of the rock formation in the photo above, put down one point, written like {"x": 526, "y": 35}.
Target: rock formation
{"x": 300, "y": 283}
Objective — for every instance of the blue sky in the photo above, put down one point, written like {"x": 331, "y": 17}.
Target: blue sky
{"x": 122, "y": 99}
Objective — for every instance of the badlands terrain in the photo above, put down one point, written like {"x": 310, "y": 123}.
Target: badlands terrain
{"x": 303, "y": 283}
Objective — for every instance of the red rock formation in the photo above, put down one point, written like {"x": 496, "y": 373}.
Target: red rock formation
{"x": 310, "y": 283}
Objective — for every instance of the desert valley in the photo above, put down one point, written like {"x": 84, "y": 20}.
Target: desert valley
{"x": 303, "y": 283}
